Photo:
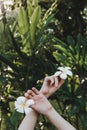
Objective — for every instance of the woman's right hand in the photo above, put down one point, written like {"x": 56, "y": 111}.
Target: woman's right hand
{"x": 42, "y": 105}
{"x": 50, "y": 85}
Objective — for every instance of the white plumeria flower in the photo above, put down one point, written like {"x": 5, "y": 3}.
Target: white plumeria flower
{"x": 22, "y": 105}
{"x": 63, "y": 72}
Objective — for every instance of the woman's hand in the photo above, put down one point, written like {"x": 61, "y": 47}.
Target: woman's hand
{"x": 50, "y": 85}
{"x": 42, "y": 105}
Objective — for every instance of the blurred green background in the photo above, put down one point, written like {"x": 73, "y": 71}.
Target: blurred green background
{"x": 37, "y": 36}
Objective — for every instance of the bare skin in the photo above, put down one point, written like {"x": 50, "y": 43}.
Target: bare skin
{"x": 50, "y": 85}
{"x": 41, "y": 101}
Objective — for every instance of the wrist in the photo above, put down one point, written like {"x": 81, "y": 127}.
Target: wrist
{"x": 33, "y": 113}
{"x": 44, "y": 92}
{"x": 49, "y": 112}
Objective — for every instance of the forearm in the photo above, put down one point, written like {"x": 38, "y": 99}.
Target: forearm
{"x": 59, "y": 122}
{"x": 29, "y": 121}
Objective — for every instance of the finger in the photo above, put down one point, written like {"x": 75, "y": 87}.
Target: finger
{"x": 35, "y": 91}
{"x": 30, "y": 92}
{"x": 52, "y": 80}
{"x": 61, "y": 82}
{"x": 27, "y": 96}
{"x": 56, "y": 81}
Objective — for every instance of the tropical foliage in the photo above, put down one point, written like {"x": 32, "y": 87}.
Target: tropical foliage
{"x": 37, "y": 36}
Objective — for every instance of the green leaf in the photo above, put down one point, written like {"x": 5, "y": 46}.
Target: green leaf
{"x": 34, "y": 20}
{"x": 23, "y": 21}
{"x": 16, "y": 118}
{"x": 84, "y": 120}
{"x": 62, "y": 49}
{"x": 30, "y": 9}
{"x": 2, "y": 79}
{"x": 56, "y": 40}
{"x": 73, "y": 110}
{"x": 34, "y": 3}
{"x": 59, "y": 57}
{"x": 71, "y": 41}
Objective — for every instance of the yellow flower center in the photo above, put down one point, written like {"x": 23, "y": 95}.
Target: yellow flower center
{"x": 23, "y": 105}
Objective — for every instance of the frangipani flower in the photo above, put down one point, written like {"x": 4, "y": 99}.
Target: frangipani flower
{"x": 63, "y": 72}
{"x": 22, "y": 104}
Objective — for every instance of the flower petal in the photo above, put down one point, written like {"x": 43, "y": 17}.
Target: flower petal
{"x": 61, "y": 68}
{"x": 69, "y": 73}
{"x": 63, "y": 76}
{"x": 67, "y": 68}
{"x": 29, "y": 102}
{"x": 17, "y": 105}
{"x": 21, "y": 110}
{"x": 21, "y": 99}
{"x": 27, "y": 110}
{"x": 57, "y": 73}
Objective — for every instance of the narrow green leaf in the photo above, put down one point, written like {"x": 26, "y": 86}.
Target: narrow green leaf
{"x": 71, "y": 41}
{"x": 23, "y": 21}
{"x": 30, "y": 9}
{"x": 59, "y": 57}
{"x": 62, "y": 49}
{"x": 34, "y": 20}
{"x": 16, "y": 118}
